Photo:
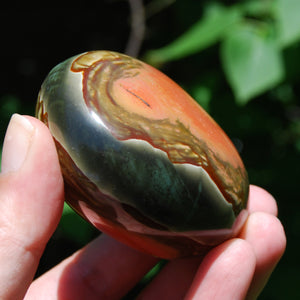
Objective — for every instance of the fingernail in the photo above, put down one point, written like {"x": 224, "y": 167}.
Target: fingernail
{"x": 16, "y": 143}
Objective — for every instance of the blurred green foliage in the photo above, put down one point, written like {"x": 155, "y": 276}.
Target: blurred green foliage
{"x": 239, "y": 59}
{"x": 252, "y": 34}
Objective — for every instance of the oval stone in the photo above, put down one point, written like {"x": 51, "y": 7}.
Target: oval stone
{"x": 141, "y": 160}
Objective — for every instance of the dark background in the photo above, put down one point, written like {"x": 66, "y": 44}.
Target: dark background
{"x": 266, "y": 129}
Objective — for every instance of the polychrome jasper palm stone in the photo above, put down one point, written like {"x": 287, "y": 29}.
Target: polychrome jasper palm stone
{"x": 141, "y": 160}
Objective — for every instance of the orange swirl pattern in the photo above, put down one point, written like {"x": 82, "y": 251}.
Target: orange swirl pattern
{"x": 136, "y": 101}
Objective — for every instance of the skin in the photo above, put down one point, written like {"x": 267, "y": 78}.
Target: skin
{"x": 31, "y": 202}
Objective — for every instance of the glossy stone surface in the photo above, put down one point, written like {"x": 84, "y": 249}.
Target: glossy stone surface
{"x": 141, "y": 160}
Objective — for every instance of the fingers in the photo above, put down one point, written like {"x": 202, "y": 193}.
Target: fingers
{"x": 225, "y": 273}
{"x": 265, "y": 234}
{"x": 104, "y": 269}
{"x": 31, "y": 201}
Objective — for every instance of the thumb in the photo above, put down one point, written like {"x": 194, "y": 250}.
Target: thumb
{"x": 31, "y": 201}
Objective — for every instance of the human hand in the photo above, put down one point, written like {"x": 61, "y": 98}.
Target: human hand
{"x": 31, "y": 192}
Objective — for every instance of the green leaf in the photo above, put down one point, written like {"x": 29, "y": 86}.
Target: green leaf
{"x": 288, "y": 21}
{"x": 251, "y": 60}
{"x": 208, "y": 30}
